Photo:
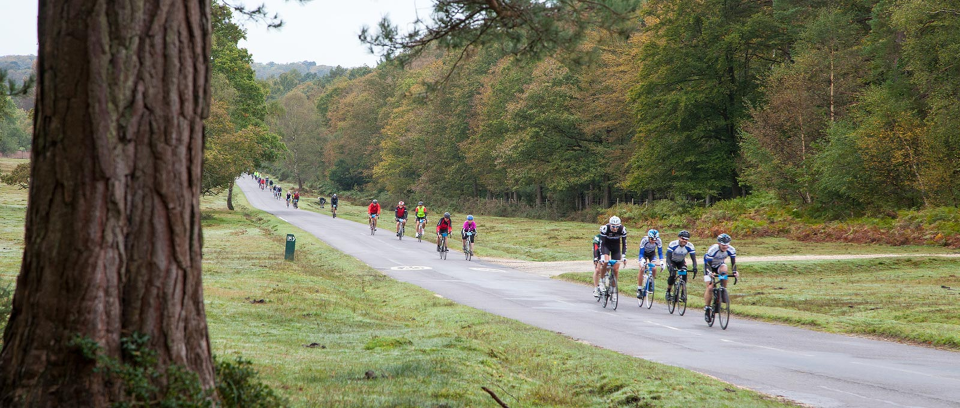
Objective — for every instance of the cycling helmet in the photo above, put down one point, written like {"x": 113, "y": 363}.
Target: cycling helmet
{"x": 653, "y": 233}
{"x": 374, "y": 200}
{"x": 684, "y": 234}
{"x": 334, "y": 196}
{"x": 469, "y": 218}
{"x": 723, "y": 239}
{"x": 401, "y": 203}
{"x": 420, "y": 203}
{"x": 446, "y": 215}
{"x": 615, "y": 220}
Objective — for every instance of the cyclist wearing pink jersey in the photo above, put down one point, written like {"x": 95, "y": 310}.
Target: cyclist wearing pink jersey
{"x": 469, "y": 232}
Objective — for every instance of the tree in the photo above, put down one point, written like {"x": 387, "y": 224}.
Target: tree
{"x": 113, "y": 240}
{"x": 299, "y": 129}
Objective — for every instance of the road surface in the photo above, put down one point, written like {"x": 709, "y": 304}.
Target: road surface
{"x": 813, "y": 368}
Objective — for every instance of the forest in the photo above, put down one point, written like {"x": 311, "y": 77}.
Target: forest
{"x": 839, "y": 107}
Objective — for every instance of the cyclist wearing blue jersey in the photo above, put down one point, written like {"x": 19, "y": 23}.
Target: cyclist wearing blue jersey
{"x": 650, "y": 246}
{"x": 714, "y": 262}
{"x": 676, "y": 252}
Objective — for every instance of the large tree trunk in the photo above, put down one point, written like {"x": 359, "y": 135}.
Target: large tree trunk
{"x": 113, "y": 239}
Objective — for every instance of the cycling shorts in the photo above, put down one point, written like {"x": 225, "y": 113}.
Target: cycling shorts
{"x": 472, "y": 237}
{"x": 615, "y": 252}
{"x": 649, "y": 256}
{"x": 373, "y": 215}
{"x": 421, "y": 219}
{"x": 404, "y": 220}
{"x": 673, "y": 267}
{"x": 443, "y": 234}
{"x": 333, "y": 205}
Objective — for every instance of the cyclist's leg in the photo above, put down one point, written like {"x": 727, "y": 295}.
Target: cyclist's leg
{"x": 672, "y": 278}
{"x": 708, "y": 292}
{"x": 605, "y": 252}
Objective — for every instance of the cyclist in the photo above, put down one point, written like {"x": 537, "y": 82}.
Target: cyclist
{"x": 400, "y": 213}
{"x": 443, "y": 228}
{"x": 714, "y": 261}
{"x": 597, "y": 242}
{"x": 421, "y": 212}
{"x": 613, "y": 246}
{"x": 322, "y": 201}
{"x": 648, "y": 245}
{"x": 334, "y": 200}
{"x": 469, "y": 226}
{"x": 373, "y": 211}
{"x": 296, "y": 198}
{"x": 676, "y": 252}
{"x": 288, "y": 198}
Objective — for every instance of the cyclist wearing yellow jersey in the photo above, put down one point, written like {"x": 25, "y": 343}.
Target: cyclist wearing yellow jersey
{"x": 421, "y": 212}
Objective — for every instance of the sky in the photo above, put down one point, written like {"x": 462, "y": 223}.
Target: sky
{"x": 323, "y": 31}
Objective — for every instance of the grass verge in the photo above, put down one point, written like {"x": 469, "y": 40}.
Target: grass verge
{"x": 327, "y": 330}
{"x": 906, "y": 299}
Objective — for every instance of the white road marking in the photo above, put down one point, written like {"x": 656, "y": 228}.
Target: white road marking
{"x": 768, "y": 348}
{"x": 437, "y": 295}
{"x": 489, "y": 270}
{"x": 408, "y": 268}
{"x": 902, "y": 370}
{"x": 284, "y": 219}
{"x": 861, "y": 396}
{"x": 391, "y": 260}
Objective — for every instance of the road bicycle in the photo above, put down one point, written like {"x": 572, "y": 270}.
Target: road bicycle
{"x": 420, "y": 224}
{"x": 467, "y": 252}
{"x": 295, "y": 201}
{"x": 403, "y": 225}
{"x": 373, "y": 224}
{"x": 679, "y": 292}
{"x": 608, "y": 286}
{"x": 646, "y": 294}
{"x": 443, "y": 246}
{"x": 333, "y": 207}
{"x": 721, "y": 302}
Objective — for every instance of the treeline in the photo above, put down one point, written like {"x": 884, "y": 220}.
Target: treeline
{"x": 272, "y": 69}
{"x": 840, "y": 107}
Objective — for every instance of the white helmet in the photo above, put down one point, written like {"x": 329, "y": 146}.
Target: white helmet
{"x": 615, "y": 220}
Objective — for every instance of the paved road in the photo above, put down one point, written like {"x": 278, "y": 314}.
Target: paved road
{"x": 813, "y": 368}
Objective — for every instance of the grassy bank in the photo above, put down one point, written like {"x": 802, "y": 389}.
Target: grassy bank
{"x": 906, "y": 299}
{"x": 328, "y": 331}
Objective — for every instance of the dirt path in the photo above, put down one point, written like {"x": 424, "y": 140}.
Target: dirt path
{"x": 555, "y": 268}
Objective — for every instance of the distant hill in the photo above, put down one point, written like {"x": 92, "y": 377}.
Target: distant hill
{"x": 18, "y": 67}
{"x": 272, "y": 69}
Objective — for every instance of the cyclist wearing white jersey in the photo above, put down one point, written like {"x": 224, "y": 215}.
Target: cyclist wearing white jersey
{"x": 714, "y": 262}
{"x": 676, "y": 252}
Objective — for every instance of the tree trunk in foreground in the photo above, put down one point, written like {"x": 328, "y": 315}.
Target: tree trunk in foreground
{"x": 112, "y": 241}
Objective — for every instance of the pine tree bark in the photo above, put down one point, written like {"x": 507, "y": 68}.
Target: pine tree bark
{"x": 113, "y": 238}
{"x": 230, "y": 196}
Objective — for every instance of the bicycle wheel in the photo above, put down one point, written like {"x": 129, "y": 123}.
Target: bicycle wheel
{"x": 400, "y": 235}
{"x": 713, "y": 313}
{"x": 680, "y": 292}
{"x": 466, "y": 251}
{"x": 614, "y": 294}
{"x": 724, "y": 310}
{"x": 605, "y": 296}
{"x": 648, "y": 300}
{"x": 672, "y": 303}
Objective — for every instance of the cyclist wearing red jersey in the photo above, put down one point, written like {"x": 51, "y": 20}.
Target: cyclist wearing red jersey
{"x": 373, "y": 211}
{"x": 401, "y": 215}
{"x": 443, "y": 228}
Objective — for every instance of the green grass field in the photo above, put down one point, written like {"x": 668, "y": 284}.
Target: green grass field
{"x": 905, "y": 299}
{"x": 326, "y": 330}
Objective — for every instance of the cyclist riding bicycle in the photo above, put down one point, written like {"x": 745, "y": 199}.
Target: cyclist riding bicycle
{"x": 373, "y": 211}
{"x": 443, "y": 228}
{"x": 421, "y": 212}
{"x": 714, "y": 261}
{"x": 676, "y": 252}
{"x": 469, "y": 226}
{"x": 296, "y": 198}
{"x": 334, "y": 200}
{"x": 648, "y": 245}
{"x": 400, "y": 213}
{"x": 289, "y": 196}
{"x": 613, "y": 246}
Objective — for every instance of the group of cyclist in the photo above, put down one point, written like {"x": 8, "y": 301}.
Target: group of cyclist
{"x": 444, "y": 227}
{"x": 611, "y": 243}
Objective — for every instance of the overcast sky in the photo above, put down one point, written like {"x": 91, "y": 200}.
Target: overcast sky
{"x": 324, "y": 31}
